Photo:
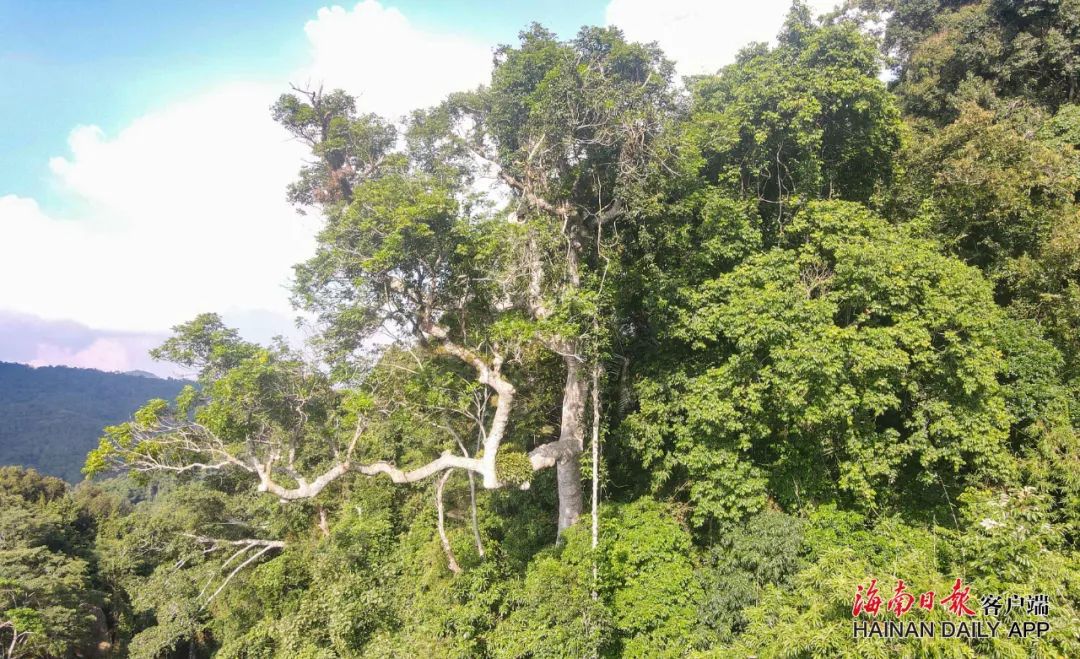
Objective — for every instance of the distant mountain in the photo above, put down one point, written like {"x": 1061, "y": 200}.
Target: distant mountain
{"x": 141, "y": 374}
{"x": 50, "y": 417}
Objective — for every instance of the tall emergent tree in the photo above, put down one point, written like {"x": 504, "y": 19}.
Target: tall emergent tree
{"x": 411, "y": 251}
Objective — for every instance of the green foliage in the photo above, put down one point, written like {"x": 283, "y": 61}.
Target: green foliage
{"x": 584, "y": 98}
{"x": 46, "y": 581}
{"x": 347, "y": 144}
{"x": 766, "y": 550}
{"x": 552, "y": 611}
{"x": 401, "y": 235}
{"x": 1016, "y": 49}
{"x": 836, "y": 344}
{"x": 204, "y": 343}
{"x": 647, "y": 580}
{"x": 808, "y": 119}
{"x": 811, "y": 615}
{"x": 325, "y": 598}
{"x": 647, "y": 594}
{"x": 994, "y": 193}
{"x": 852, "y": 360}
{"x": 513, "y": 467}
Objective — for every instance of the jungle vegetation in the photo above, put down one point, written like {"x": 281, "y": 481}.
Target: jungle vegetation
{"x": 615, "y": 364}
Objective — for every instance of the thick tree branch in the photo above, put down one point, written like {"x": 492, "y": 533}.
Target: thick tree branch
{"x": 237, "y": 543}
{"x": 547, "y": 455}
{"x": 563, "y": 211}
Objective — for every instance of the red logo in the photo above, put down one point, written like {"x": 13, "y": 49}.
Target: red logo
{"x": 956, "y": 601}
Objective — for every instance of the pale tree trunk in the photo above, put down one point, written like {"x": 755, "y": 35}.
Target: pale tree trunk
{"x": 568, "y": 468}
{"x": 324, "y": 523}
{"x": 440, "y": 507}
{"x": 572, "y": 426}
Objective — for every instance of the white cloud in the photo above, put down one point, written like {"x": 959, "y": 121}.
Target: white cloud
{"x": 391, "y": 65}
{"x": 102, "y": 354}
{"x": 703, "y": 35}
{"x": 184, "y": 210}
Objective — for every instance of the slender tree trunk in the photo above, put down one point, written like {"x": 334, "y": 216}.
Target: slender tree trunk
{"x": 441, "y": 509}
{"x": 475, "y": 521}
{"x": 568, "y": 469}
{"x": 324, "y": 523}
{"x": 595, "y": 470}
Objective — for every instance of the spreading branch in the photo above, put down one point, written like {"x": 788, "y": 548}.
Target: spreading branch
{"x": 18, "y": 638}
{"x": 178, "y": 445}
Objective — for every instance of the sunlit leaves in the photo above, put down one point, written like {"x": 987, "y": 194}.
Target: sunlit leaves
{"x": 851, "y": 355}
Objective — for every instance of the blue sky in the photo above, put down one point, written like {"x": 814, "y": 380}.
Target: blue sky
{"x": 142, "y": 179}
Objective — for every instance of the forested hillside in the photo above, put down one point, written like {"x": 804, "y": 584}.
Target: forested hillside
{"x": 50, "y": 417}
{"x": 724, "y": 366}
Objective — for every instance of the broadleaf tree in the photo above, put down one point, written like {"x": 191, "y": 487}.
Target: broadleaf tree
{"x": 823, "y": 325}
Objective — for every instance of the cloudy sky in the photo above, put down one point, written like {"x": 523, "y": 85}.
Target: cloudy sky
{"x": 142, "y": 180}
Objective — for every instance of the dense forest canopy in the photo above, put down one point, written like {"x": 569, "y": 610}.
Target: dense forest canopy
{"x": 709, "y": 356}
{"x": 53, "y": 415}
